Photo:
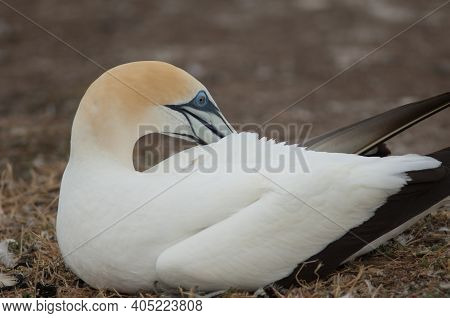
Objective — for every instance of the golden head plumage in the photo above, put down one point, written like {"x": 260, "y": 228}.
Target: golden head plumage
{"x": 157, "y": 95}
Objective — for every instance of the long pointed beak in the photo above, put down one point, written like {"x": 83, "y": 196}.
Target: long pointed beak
{"x": 207, "y": 125}
{"x": 362, "y": 137}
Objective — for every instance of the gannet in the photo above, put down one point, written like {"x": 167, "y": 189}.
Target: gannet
{"x": 235, "y": 211}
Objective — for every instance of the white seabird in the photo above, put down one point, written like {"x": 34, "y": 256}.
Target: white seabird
{"x": 245, "y": 223}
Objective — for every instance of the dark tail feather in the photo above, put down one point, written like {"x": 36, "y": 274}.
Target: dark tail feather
{"x": 426, "y": 189}
{"x": 362, "y": 137}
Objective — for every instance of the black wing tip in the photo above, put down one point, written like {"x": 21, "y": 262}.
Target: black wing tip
{"x": 435, "y": 100}
{"x": 379, "y": 128}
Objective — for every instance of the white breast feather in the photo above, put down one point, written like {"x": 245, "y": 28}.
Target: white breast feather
{"x": 240, "y": 224}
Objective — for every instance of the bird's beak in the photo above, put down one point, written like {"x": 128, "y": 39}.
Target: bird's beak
{"x": 206, "y": 125}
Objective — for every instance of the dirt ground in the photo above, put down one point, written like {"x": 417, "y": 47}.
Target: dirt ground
{"x": 256, "y": 58}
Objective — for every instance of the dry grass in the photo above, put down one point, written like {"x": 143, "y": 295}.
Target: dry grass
{"x": 417, "y": 266}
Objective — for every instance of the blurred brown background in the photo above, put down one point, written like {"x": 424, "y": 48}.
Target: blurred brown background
{"x": 256, "y": 57}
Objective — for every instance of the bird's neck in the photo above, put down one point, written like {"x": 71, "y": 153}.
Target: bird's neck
{"x": 108, "y": 134}
{"x": 104, "y": 141}
{"x": 101, "y": 150}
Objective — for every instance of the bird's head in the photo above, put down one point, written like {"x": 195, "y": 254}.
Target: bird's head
{"x": 135, "y": 99}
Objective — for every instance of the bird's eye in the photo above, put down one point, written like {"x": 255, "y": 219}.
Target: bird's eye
{"x": 201, "y": 99}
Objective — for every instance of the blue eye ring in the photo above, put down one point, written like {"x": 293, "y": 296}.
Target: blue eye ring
{"x": 201, "y": 99}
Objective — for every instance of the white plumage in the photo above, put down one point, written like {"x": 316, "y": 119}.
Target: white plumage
{"x": 243, "y": 224}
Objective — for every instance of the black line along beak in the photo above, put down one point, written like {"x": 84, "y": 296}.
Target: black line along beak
{"x": 207, "y": 124}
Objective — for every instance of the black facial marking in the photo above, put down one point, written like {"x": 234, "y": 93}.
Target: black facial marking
{"x": 200, "y": 102}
